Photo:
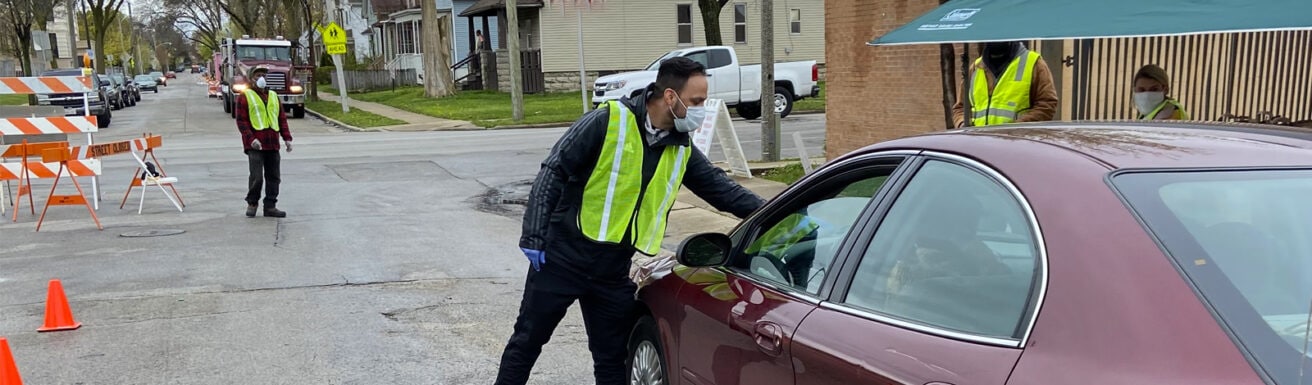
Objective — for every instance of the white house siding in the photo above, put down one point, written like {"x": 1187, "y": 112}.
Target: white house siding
{"x": 462, "y": 31}
{"x": 629, "y": 34}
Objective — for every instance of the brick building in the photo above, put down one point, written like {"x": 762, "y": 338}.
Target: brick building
{"x": 878, "y": 93}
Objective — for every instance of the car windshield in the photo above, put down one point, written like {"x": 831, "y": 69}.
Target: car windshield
{"x": 157, "y": 74}
{"x": 143, "y": 78}
{"x": 656, "y": 65}
{"x": 264, "y": 53}
{"x": 1244, "y": 238}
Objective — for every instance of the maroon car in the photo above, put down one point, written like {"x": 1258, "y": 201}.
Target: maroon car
{"x": 1061, "y": 253}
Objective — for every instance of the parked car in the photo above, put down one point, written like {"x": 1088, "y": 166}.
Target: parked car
{"x": 738, "y": 85}
{"x": 146, "y": 83}
{"x": 171, "y": 75}
{"x": 1053, "y": 253}
{"x": 160, "y": 78}
{"x": 114, "y": 91}
{"x": 75, "y": 104}
{"x": 132, "y": 86}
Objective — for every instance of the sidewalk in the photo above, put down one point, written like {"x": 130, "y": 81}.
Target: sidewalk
{"x": 414, "y": 122}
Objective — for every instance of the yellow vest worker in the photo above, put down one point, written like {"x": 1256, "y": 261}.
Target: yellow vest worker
{"x": 1007, "y": 84}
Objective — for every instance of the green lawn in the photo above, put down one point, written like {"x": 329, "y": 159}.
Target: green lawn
{"x": 13, "y": 100}
{"x": 786, "y": 174}
{"x": 483, "y": 108}
{"x": 811, "y": 104}
{"x": 357, "y": 117}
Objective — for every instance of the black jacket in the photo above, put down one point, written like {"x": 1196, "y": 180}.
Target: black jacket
{"x": 551, "y": 219}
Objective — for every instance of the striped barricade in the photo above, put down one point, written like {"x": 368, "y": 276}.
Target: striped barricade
{"x": 40, "y": 170}
{"x": 48, "y": 125}
{"x": 46, "y": 85}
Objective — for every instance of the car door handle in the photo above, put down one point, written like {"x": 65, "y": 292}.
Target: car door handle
{"x": 769, "y": 338}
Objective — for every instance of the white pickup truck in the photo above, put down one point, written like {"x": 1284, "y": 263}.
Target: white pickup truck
{"x": 738, "y": 85}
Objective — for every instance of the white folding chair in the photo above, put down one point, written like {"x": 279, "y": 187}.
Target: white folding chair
{"x": 150, "y": 180}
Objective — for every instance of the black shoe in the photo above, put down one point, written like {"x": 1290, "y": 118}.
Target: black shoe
{"x": 274, "y": 213}
{"x": 250, "y": 210}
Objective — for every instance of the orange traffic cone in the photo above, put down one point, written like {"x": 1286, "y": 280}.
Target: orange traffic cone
{"x": 8, "y": 371}
{"x": 58, "y": 315}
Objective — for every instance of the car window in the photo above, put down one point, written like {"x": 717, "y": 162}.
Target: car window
{"x": 717, "y": 58}
{"x": 796, "y": 247}
{"x": 699, "y": 56}
{"x": 954, "y": 252}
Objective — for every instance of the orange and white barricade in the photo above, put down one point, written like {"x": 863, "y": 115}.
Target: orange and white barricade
{"x": 151, "y": 174}
{"x": 66, "y": 164}
{"x": 56, "y": 161}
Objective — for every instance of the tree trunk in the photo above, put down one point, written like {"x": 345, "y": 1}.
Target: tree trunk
{"x": 948, "y": 68}
{"x": 436, "y": 74}
{"x": 710, "y": 10}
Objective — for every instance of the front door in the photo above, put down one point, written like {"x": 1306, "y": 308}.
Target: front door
{"x": 740, "y": 318}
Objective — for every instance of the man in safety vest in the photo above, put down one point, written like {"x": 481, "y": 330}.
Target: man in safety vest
{"x": 1008, "y": 84}
{"x": 603, "y": 193}
{"x": 261, "y": 121}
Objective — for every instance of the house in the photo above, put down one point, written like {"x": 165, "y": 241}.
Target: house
{"x": 57, "y": 47}
{"x": 358, "y": 19}
{"x": 882, "y": 93}
{"x": 626, "y": 35}
{"x": 397, "y": 30}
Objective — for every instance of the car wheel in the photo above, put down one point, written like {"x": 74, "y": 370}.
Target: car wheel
{"x": 157, "y": 90}
{"x": 646, "y": 360}
{"x": 749, "y": 111}
{"x": 298, "y": 112}
{"x": 783, "y": 102}
{"x": 102, "y": 121}
{"x": 227, "y": 107}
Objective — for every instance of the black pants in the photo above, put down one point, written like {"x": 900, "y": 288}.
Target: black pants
{"x": 266, "y": 174}
{"x": 608, "y": 309}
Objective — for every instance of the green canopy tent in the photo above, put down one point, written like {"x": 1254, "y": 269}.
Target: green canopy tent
{"x": 970, "y": 21}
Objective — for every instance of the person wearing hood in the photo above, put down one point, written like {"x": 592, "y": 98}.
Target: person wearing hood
{"x": 1007, "y": 84}
{"x": 603, "y": 193}
{"x": 262, "y": 121}
{"x": 1152, "y": 95}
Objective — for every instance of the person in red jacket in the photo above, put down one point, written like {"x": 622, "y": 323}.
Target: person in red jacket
{"x": 261, "y": 121}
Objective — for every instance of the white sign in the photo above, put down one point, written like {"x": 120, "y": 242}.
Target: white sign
{"x": 719, "y": 123}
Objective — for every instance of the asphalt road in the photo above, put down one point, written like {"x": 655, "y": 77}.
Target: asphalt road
{"x": 386, "y": 271}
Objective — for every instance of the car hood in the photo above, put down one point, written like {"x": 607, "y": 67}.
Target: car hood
{"x": 636, "y": 78}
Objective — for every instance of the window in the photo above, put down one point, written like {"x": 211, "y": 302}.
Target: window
{"x": 796, "y": 247}
{"x": 263, "y": 53}
{"x": 685, "y": 23}
{"x": 795, "y": 21}
{"x": 1242, "y": 238}
{"x": 954, "y": 252}
{"x": 717, "y": 58}
{"x": 699, "y": 57}
{"x": 740, "y": 23}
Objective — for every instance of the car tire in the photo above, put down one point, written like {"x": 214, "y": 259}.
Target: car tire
{"x": 783, "y": 102}
{"x": 646, "y": 362}
{"x": 749, "y": 111}
{"x": 102, "y": 121}
{"x": 157, "y": 90}
{"x": 298, "y": 112}
{"x": 227, "y": 107}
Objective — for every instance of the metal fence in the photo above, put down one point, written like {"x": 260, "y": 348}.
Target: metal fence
{"x": 376, "y": 79}
{"x": 1216, "y": 77}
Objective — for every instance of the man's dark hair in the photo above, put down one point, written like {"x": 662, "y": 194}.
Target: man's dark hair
{"x": 675, "y": 71}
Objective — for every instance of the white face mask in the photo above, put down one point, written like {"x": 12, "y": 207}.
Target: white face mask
{"x": 261, "y": 83}
{"x": 1146, "y": 102}
{"x": 691, "y": 120}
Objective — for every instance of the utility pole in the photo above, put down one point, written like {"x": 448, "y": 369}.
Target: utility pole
{"x": 72, "y": 34}
{"x": 516, "y": 73}
{"x": 136, "y": 54}
{"x": 769, "y": 119}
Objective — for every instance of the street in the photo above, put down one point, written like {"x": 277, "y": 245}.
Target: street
{"x": 391, "y": 268}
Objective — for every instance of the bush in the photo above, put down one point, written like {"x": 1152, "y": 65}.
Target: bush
{"x": 324, "y": 74}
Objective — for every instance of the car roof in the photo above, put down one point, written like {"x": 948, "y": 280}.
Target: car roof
{"x": 1128, "y": 145}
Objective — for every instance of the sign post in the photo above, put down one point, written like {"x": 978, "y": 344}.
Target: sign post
{"x": 334, "y": 41}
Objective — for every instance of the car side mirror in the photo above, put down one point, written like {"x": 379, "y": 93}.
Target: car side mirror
{"x": 704, "y": 250}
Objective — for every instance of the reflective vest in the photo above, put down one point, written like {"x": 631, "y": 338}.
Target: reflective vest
{"x": 614, "y": 201}
{"x": 1010, "y": 97}
{"x": 263, "y": 116}
{"x": 1184, "y": 115}
{"x": 788, "y": 232}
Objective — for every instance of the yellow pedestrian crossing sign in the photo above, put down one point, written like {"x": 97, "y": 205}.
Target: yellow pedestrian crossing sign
{"x": 334, "y": 39}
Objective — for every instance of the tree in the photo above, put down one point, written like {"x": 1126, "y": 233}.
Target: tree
{"x": 204, "y": 19}
{"x": 437, "y": 49}
{"x": 17, "y": 20}
{"x": 103, "y": 15}
{"x": 711, "y": 19}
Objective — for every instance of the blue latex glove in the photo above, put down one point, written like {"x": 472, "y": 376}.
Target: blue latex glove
{"x": 536, "y": 257}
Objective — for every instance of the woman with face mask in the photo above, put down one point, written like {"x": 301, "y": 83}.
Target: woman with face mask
{"x": 1152, "y": 90}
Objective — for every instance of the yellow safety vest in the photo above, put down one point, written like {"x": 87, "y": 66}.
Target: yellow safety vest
{"x": 1184, "y": 115}
{"x": 1010, "y": 97}
{"x": 611, "y": 206}
{"x": 263, "y": 116}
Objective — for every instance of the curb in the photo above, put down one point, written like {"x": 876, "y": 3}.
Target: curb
{"x": 335, "y": 121}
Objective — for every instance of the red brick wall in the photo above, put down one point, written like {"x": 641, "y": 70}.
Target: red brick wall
{"x": 878, "y": 93}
